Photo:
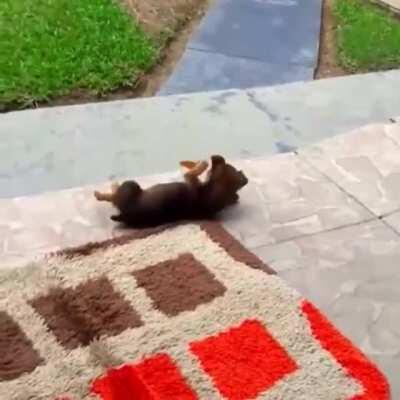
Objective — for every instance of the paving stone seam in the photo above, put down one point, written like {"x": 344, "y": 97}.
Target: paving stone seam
{"x": 341, "y": 188}
{"x": 389, "y": 137}
{"x": 392, "y": 228}
{"x": 305, "y": 235}
{"x": 390, "y": 213}
{"x": 260, "y": 60}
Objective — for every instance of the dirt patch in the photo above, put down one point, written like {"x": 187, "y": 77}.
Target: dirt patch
{"x": 157, "y": 17}
{"x": 173, "y": 19}
{"x": 327, "y": 64}
{"x": 188, "y": 16}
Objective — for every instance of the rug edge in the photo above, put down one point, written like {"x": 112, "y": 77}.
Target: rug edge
{"x": 214, "y": 229}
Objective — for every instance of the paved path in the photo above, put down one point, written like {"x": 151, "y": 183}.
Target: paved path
{"x": 57, "y": 148}
{"x": 326, "y": 218}
{"x": 248, "y": 43}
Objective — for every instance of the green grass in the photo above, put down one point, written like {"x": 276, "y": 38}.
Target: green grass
{"x": 50, "y": 48}
{"x": 368, "y": 37}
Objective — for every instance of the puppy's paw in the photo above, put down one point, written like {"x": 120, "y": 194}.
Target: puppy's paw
{"x": 194, "y": 168}
{"x": 102, "y": 196}
{"x": 188, "y": 164}
{"x": 200, "y": 167}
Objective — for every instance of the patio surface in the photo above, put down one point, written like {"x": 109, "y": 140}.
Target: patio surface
{"x": 326, "y": 218}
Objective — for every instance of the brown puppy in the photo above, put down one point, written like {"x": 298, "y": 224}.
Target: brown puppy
{"x": 191, "y": 199}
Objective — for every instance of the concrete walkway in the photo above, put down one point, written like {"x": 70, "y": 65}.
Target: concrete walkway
{"x": 62, "y": 147}
{"x": 326, "y": 218}
{"x": 248, "y": 43}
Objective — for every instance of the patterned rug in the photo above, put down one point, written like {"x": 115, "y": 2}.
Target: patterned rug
{"x": 182, "y": 313}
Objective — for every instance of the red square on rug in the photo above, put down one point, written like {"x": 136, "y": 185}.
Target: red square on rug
{"x": 155, "y": 378}
{"x": 244, "y": 361}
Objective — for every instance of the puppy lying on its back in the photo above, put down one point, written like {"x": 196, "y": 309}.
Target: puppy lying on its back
{"x": 169, "y": 202}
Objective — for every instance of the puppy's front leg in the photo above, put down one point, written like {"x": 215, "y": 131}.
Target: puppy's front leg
{"x": 192, "y": 175}
{"x": 103, "y": 196}
{"x": 194, "y": 170}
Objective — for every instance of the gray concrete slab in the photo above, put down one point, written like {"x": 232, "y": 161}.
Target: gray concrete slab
{"x": 201, "y": 71}
{"x": 276, "y": 31}
{"x": 56, "y": 148}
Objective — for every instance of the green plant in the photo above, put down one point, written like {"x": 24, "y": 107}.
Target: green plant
{"x": 368, "y": 37}
{"x": 50, "y": 48}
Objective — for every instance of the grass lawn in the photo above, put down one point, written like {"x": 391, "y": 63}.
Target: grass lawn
{"x": 50, "y": 48}
{"x": 368, "y": 37}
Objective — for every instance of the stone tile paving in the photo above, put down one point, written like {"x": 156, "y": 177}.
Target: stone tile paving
{"x": 365, "y": 164}
{"x": 287, "y": 198}
{"x": 248, "y": 43}
{"x": 329, "y": 244}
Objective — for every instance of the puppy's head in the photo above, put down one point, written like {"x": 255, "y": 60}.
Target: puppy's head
{"x": 125, "y": 195}
{"x": 226, "y": 175}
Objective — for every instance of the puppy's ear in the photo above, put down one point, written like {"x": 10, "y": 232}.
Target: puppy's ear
{"x": 217, "y": 160}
